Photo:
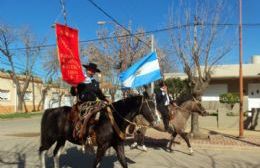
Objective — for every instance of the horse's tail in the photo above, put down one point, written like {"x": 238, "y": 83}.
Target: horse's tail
{"x": 44, "y": 132}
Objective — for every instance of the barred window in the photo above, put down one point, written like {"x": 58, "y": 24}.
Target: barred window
{"x": 4, "y": 95}
{"x": 28, "y": 96}
{"x": 55, "y": 95}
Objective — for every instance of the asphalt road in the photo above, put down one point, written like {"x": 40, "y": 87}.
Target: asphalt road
{"x": 19, "y": 142}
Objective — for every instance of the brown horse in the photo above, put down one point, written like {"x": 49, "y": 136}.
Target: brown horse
{"x": 56, "y": 126}
{"x": 179, "y": 117}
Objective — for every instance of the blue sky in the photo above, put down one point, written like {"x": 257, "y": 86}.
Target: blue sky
{"x": 39, "y": 15}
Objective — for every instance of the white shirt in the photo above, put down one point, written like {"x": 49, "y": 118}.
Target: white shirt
{"x": 167, "y": 102}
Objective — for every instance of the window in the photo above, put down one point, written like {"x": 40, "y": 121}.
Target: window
{"x": 28, "y": 96}
{"x": 55, "y": 95}
{"x": 4, "y": 95}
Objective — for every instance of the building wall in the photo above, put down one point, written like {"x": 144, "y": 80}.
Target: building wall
{"x": 233, "y": 86}
{"x": 33, "y": 95}
{"x": 58, "y": 97}
{"x": 7, "y": 106}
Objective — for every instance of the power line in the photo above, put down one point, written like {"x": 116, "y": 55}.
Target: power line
{"x": 115, "y": 21}
{"x": 146, "y": 32}
{"x": 21, "y": 68}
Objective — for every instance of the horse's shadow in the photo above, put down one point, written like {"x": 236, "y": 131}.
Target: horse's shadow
{"x": 77, "y": 159}
{"x": 156, "y": 144}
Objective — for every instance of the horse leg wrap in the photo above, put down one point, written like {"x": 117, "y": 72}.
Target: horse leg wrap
{"x": 42, "y": 158}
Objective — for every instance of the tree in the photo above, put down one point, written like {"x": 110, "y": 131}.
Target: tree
{"x": 199, "y": 43}
{"x": 9, "y": 37}
{"x": 114, "y": 55}
{"x": 229, "y": 98}
{"x": 178, "y": 88}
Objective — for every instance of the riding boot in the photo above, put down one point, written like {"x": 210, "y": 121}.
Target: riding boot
{"x": 166, "y": 124}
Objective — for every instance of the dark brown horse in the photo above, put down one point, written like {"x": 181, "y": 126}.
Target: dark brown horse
{"x": 56, "y": 126}
{"x": 179, "y": 118}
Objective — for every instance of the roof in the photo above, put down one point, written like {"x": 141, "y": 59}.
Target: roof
{"x": 226, "y": 71}
{"x": 21, "y": 77}
{"x": 231, "y": 71}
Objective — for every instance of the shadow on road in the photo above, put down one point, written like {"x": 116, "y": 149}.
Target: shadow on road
{"x": 75, "y": 158}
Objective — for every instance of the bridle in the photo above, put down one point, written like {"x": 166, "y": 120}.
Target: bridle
{"x": 114, "y": 124}
{"x": 139, "y": 110}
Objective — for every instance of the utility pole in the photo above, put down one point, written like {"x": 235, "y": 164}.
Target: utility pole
{"x": 241, "y": 114}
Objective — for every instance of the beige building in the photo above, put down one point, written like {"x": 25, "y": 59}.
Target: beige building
{"x": 55, "y": 96}
{"x": 225, "y": 78}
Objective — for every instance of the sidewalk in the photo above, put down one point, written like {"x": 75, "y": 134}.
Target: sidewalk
{"x": 216, "y": 138}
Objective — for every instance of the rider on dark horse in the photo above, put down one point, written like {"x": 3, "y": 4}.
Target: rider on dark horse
{"x": 87, "y": 93}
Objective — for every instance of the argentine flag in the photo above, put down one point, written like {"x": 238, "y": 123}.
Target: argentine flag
{"x": 144, "y": 71}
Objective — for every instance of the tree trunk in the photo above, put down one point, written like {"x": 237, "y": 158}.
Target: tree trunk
{"x": 195, "y": 125}
{"x": 20, "y": 103}
{"x": 25, "y": 107}
{"x": 33, "y": 92}
{"x": 42, "y": 101}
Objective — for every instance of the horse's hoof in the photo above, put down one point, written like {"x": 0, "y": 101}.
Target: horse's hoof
{"x": 169, "y": 150}
{"x": 144, "y": 148}
{"x": 191, "y": 151}
{"x": 134, "y": 145}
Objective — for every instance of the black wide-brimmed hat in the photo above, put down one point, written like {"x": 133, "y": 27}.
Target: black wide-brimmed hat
{"x": 92, "y": 66}
{"x": 161, "y": 83}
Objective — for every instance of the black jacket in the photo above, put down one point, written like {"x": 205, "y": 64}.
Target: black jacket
{"x": 88, "y": 91}
{"x": 161, "y": 98}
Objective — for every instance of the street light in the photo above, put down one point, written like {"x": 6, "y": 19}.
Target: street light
{"x": 101, "y": 22}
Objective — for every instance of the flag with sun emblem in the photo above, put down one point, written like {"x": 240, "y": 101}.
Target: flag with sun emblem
{"x": 144, "y": 71}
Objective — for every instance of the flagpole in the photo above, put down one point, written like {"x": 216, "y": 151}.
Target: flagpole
{"x": 152, "y": 50}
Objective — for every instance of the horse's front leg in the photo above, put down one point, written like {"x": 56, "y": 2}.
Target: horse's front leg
{"x": 120, "y": 151}
{"x": 100, "y": 153}
{"x": 184, "y": 135}
{"x": 174, "y": 134}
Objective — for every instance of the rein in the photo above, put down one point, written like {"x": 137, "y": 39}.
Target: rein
{"x": 114, "y": 124}
{"x": 117, "y": 129}
{"x": 184, "y": 108}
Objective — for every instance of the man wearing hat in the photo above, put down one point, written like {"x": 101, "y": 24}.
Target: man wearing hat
{"x": 163, "y": 101}
{"x": 89, "y": 89}
{"x": 87, "y": 93}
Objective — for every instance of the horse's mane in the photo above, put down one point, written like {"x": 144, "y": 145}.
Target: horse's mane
{"x": 183, "y": 98}
{"x": 127, "y": 101}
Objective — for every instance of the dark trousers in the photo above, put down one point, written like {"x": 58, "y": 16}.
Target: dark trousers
{"x": 165, "y": 115}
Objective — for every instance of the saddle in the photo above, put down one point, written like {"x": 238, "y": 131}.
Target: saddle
{"x": 83, "y": 117}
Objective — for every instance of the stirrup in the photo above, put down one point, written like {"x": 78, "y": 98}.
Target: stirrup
{"x": 89, "y": 141}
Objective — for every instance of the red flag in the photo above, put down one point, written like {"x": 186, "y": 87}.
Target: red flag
{"x": 68, "y": 53}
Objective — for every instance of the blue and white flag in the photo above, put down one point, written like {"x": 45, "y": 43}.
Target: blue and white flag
{"x": 144, "y": 71}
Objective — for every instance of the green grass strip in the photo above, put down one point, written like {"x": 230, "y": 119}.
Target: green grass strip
{"x": 20, "y": 115}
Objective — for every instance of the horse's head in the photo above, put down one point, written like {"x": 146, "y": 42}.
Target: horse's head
{"x": 197, "y": 107}
{"x": 148, "y": 109}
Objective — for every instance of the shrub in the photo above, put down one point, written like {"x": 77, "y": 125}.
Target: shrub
{"x": 229, "y": 98}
